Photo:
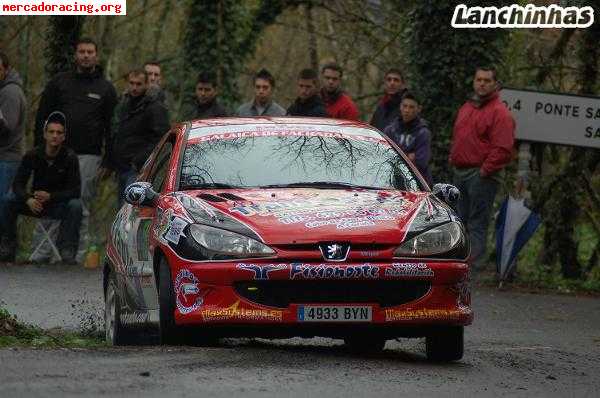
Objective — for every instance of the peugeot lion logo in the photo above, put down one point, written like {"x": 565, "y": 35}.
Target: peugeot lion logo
{"x": 334, "y": 251}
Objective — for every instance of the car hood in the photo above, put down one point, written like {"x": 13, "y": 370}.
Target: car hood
{"x": 307, "y": 215}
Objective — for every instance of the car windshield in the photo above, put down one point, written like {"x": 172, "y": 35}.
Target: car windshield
{"x": 242, "y": 156}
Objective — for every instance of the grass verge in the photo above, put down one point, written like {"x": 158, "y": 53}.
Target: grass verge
{"x": 16, "y": 334}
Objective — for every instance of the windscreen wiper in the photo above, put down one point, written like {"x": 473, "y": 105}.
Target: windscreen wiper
{"x": 321, "y": 184}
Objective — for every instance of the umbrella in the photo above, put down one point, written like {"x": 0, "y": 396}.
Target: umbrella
{"x": 514, "y": 226}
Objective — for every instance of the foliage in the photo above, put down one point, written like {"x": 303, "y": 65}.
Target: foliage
{"x": 554, "y": 196}
{"x": 221, "y": 35}
{"x": 532, "y": 273}
{"x": 443, "y": 60}
{"x": 61, "y": 36}
{"x": 15, "y": 333}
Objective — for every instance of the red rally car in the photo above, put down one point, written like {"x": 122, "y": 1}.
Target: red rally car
{"x": 281, "y": 227}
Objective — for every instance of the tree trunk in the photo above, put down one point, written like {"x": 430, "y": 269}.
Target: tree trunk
{"x": 61, "y": 36}
{"x": 313, "y": 51}
{"x": 158, "y": 32}
{"x": 562, "y": 207}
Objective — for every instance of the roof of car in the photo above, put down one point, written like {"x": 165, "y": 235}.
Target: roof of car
{"x": 284, "y": 122}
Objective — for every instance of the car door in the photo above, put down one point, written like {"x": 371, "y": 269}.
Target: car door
{"x": 140, "y": 286}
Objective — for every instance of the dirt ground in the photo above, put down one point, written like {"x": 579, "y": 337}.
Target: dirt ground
{"x": 519, "y": 345}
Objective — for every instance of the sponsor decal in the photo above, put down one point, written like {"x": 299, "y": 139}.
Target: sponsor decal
{"x": 344, "y": 212}
{"x": 408, "y": 269}
{"x": 162, "y": 224}
{"x": 135, "y": 317}
{"x": 326, "y": 271}
{"x": 235, "y": 312}
{"x": 369, "y": 253}
{"x": 407, "y": 315}
{"x": 331, "y": 271}
{"x": 187, "y": 292}
{"x": 283, "y": 132}
{"x": 175, "y": 229}
{"x": 463, "y": 291}
{"x": 261, "y": 271}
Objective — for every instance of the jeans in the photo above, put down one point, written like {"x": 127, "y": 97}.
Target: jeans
{"x": 124, "y": 178}
{"x": 475, "y": 207}
{"x": 68, "y": 212}
{"x": 8, "y": 170}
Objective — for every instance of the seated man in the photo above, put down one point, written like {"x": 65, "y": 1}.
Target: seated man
{"x": 55, "y": 191}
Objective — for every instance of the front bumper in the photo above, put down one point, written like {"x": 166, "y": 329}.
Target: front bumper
{"x": 261, "y": 292}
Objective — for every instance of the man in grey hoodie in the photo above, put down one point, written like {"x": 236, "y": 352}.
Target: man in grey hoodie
{"x": 12, "y": 124}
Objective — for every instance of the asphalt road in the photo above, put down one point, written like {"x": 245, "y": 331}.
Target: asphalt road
{"x": 519, "y": 345}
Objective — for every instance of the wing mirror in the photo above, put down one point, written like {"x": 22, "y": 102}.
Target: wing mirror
{"x": 447, "y": 193}
{"x": 141, "y": 194}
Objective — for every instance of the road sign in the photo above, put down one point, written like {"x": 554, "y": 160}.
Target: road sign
{"x": 554, "y": 118}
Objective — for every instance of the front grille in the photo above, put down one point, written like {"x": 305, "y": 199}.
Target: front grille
{"x": 281, "y": 294}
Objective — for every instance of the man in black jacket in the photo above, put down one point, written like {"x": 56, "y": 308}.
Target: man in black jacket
{"x": 308, "y": 102}
{"x": 142, "y": 119}
{"x": 388, "y": 108}
{"x": 55, "y": 191}
{"x": 205, "y": 104}
{"x": 88, "y": 100}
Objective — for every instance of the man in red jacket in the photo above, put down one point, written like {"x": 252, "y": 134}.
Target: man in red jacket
{"x": 482, "y": 142}
{"x": 339, "y": 105}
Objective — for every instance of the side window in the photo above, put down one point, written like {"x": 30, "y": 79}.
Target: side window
{"x": 161, "y": 166}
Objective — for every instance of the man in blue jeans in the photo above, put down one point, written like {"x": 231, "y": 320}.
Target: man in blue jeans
{"x": 482, "y": 142}
{"x": 55, "y": 192}
{"x": 12, "y": 124}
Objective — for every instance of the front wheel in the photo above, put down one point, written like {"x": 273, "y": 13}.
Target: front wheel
{"x": 445, "y": 344}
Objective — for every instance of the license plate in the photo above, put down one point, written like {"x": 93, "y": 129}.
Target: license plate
{"x": 335, "y": 313}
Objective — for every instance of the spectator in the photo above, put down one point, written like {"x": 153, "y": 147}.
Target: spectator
{"x": 12, "y": 124}
{"x": 154, "y": 72}
{"x": 263, "y": 104}
{"x": 87, "y": 99}
{"x": 410, "y": 132}
{"x": 338, "y": 104}
{"x": 206, "y": 104}
{"x": 142, "y": 119}
{"x": 308, "y": 102}
{"x": 55, "y": 192}
{"x": 482, "y": 142}
{"x": 387, "y": 110}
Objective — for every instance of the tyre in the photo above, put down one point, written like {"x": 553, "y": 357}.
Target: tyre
{"x": 115, "y": 333}
{"x": 168, "y": 332}
{"x": 445, "y": 344}
{"x": 364, "y": 344}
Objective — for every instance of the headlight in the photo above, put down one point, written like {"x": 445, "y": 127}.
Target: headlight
{"x": 222, "y": 244}
{"x": 438, "y": 240}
